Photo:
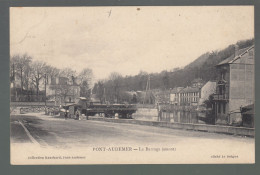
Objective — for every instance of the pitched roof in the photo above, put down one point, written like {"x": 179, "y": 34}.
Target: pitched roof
{"x": 161, "y": 92}
{"x": 190, "y": 89}
{"x": 232, "y": 58}
{"x": 176, "y": 89}
{"x": 197, "y": 80}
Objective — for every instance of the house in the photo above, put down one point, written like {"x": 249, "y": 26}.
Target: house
{"x": 189, "y": 96}
{"x": 62, "y": 91}
{"x": 235, "y": 86}
{"x": 175, "y": 95}
{"x": 208, "y": 89}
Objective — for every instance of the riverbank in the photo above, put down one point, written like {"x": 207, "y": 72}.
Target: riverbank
{"x": 186, "y": 126}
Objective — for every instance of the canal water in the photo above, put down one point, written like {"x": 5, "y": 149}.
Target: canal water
{"x": 175, "y": 117}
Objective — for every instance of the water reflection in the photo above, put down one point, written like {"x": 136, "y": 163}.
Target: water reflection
{"x": 187, "y": 117}
{"x": 181, "y": 117}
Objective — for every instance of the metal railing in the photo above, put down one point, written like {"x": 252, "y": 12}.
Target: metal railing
{"x": 37, "y": 109}
{"x": 220, "y": 97}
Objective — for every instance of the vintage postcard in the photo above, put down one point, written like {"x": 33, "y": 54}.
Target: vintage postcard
{"x": 132, "y": 85}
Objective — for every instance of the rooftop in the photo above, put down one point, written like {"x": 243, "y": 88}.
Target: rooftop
{"x": 232, "y": 58}
{"x": 190, "y": 89}
{"x": 176, "y": 89}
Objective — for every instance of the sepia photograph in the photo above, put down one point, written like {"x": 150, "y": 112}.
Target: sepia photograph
{"x": 132, "y": 85}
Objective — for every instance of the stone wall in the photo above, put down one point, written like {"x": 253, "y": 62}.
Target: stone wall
{"x": 187, "y": 126}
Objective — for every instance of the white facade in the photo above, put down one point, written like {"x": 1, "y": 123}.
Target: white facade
{"x": 208, "y": 89}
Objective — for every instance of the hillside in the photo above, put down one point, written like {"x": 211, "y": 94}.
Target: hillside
{"x": 203, "y": 67}
{"x": 199, "y": 61}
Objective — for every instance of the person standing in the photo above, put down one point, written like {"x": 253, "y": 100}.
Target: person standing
{"x": 66, "y": 114}
{"x": 159, "y": 110}
{"x": 77, "y": 114}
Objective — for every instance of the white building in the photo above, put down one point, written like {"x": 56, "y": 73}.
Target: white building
{"x": 208, "y": 89}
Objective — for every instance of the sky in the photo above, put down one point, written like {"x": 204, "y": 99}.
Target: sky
{"x": 126, "y": 39}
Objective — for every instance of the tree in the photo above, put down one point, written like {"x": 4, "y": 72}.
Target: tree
{"x": 38, "y": 70}
{"x": 20, "y": 66}
{"x": 85, "y": 79}
{"x": 143, "y": 77}
{"x": 12, "y": 71}
{"x": 100, "y": 91}
{"x": 203, "y": 67}
{"x": 26, "y": 79}
{"x": 175, "y": 69}
{"x": 51, "y": 73}
{"x": 115, "y": 78}
{"x": 84, "y": 89}
{"x": 68, "y": 73}
{"x": 165, "y": 80}
{"x": 85, "y": 75}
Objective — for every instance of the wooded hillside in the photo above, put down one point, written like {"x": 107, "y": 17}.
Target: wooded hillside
{"x": 203, "y": 67}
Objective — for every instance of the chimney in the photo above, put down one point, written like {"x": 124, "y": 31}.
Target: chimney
{"x": 236, "y": 50}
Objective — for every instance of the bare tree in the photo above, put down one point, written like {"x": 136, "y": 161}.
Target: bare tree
{"x": 100, "y": 91}
{"x": 38, "y": 70}
{"x": 142, "y": 80}
{"x": 115, "y": 78}
{"x": 51, "y": 72}
{"x": 20, "y": 66}
{"x": 12, "y": 71}
{"x": 85, "y": 75}
{"x": 27, "y": 81}
{"x": 68, "y": 73}
{"x": 85, "y": 80}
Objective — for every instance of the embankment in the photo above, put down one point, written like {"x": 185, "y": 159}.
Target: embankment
{"x": 187, "y": 126}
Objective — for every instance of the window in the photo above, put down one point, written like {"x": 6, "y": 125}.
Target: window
{"x": 219, "y": 108}
{"x": 251, "y": 53}
{"x": 223, "y": 74}
{"x": 249, "y": 67}
{"x": 224, "y": 108}
{"x": 220, "y": 90}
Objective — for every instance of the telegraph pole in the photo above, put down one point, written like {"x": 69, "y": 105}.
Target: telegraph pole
{"x": 147, "y": 88}
{"x": 105, "y": 95}
{"x": 45, "y": 93}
